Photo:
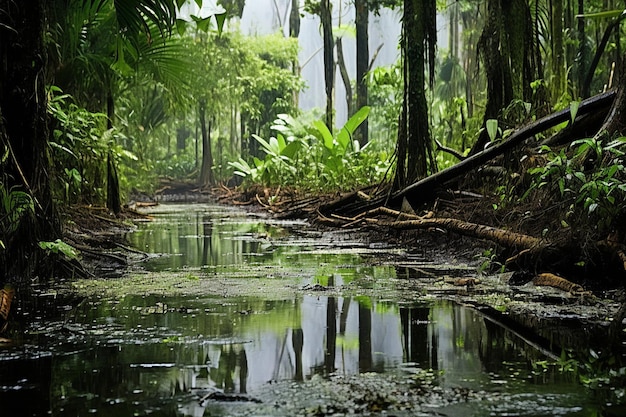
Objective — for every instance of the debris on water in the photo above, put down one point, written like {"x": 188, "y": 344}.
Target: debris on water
{"x": 314, "y": 287}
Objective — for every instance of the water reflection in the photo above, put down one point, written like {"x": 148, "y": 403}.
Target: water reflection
{"x": 140, "y": 355}
{"x": 148, "y": 357}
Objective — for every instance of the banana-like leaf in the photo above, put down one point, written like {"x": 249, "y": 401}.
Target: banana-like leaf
{"x": 292, "y": 149}
{"x": 326, "y": 136}
{"x": 345, "y": 135}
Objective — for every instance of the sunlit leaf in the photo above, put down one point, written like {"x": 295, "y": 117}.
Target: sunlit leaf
{"x": 492, "y": 128}
{"x": 601, "y": 15}
{"x": 573, "y": 110}
{"x": 326, "y": 136}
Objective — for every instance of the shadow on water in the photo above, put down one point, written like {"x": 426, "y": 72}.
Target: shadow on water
{"x": 135, "y": 354}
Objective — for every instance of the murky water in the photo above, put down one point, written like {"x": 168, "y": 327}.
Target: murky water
{"x": 133, "y": 351}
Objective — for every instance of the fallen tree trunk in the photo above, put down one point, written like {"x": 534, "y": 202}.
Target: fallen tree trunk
{"x": 501, "y": 236}
{"x": 531, "y": 254}
{"x": 425, "y": 189}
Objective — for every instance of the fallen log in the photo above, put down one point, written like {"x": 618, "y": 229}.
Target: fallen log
{"x": 425, "y": 189}
{"x": 503, "y": 237}
{"x": 555, "y": 281}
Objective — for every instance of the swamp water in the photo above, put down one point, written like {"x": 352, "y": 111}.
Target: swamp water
{"x": 266, "y": 317}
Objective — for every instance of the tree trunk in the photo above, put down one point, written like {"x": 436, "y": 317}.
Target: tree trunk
{"x": 25, "y": 132}
{"x": 507, "y": 51}
{"x": 499, "y": 91}
{"x": 114, "y": 200}
{"x": 583, "y": 49}
{"x": 362, "y": 63}
{"x": 418, "y": 43}
{"x": 206, "y": 171}
{"x": 294, "y": 32}
{"x": 329, "y": 61}
{"x": 341, "y": 62}
{"x": 615, "y": 122}
{"x": 558, "y": 51}
{"x": 426, "y": 188}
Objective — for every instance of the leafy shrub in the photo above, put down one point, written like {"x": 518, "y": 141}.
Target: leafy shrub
{"x": 310, "y": 157}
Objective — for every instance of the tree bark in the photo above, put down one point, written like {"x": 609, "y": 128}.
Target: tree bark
{"x": 294, "y": 32}
{"x": 329, "y": 61}
{"x": 615, "y": 122}
{"x": 558, "y": 51}
{"x": 506, "y": 49}
{"x": 345, "y": 77}
{"x": 362, "y": 63}
{"x": 206, "y": 171}
{"x": 23, "y": 106}
{"x": 418, "y": 43}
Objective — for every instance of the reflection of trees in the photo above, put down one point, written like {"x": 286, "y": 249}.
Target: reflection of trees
{"x": 365, "y": 338}
{"x": 223, "y": 375}
{"x": 331, "y": 335}
{"x": 207, "y": 234}
{"x": 414, "y": 322}
{"x": 297, "y": 339}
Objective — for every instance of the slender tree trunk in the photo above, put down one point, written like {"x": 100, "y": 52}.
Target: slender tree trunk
{"x": 362, "y": 63}
{"x": 329, "y": 61}
{"x": 558, "y": 51}
{"x": 24, "y": 131}
{"x": 294, "y": 32}
{"x": 583, "y": 49}
{"x": 206, "y": 171}
{"x": 114, "y": 199}
{"x": 345, "y": 77}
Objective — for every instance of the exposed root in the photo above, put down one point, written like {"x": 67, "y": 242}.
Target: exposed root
{"x": 556, "y": 281}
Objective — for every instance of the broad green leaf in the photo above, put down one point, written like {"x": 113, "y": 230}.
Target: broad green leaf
{"x": 327, "y": 137}
{"x": 274, "y": 148}
{"x": 220, "y": 19}
{"x": 573, "y": 110}
{"x": 357, "y": 118}
{"x": 281, "y": 143}
{"x": 492, "y": 129}
{"x": 257, "y": 162}
{"x": 181, "y": 26}
{"x": 266, "y": 146}
{"x": 292, "y": 149}
{"x": 203, "y": 24}
{"x": 345, "y": 135}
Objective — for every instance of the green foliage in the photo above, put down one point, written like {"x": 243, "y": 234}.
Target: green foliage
{"x": 592, "y": 180}
{"x": 492, "y": 129}
{"x": 385, "y": 98}
{"x": 59, "y": 247}
{"x": 489, "y": 262}
{"x": 79, "y": 146}
{"x": 309, "y": 156}
{"x": 14, "y": 205}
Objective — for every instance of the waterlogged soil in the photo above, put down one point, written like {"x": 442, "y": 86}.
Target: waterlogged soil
{"x": 231, "y": 313}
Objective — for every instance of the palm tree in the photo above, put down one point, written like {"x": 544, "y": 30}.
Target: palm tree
{"x": 23, "y": 122}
